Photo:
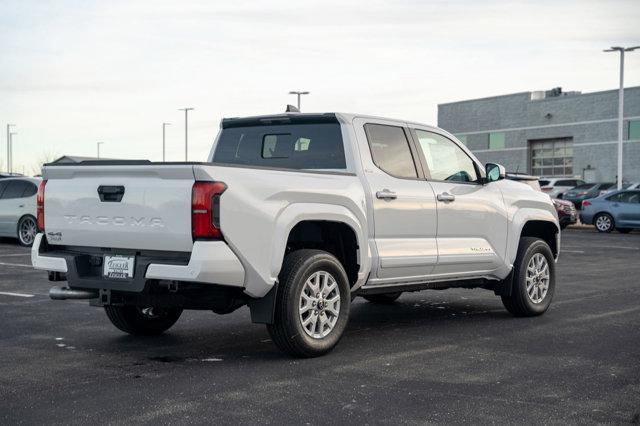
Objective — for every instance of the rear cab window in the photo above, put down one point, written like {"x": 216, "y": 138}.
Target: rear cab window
{"x": 283, "y": 143}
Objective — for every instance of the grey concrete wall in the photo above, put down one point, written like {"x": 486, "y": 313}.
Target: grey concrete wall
{"x": 547, "y": 117}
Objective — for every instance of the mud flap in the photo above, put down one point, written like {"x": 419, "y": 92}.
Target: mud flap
{"x": 505, "y": 286}
{"x": 263, "y": 309}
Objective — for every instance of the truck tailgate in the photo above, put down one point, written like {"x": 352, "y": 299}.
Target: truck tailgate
{"x": 154, "y": 212}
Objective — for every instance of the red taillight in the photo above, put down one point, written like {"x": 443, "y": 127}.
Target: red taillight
{"x": 205, "y": 210}
{"x": 546, "y": 188}
{"x": 585, "y": 203}
{"x": 40, "y": 209}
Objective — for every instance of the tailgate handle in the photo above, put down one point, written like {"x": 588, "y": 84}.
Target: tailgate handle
{"x": 111, "y": 193}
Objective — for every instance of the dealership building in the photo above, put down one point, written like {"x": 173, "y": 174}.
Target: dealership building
{"x": 551, "y": 133}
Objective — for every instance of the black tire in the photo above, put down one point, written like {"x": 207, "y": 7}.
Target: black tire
{"x": 287, "y": 331}
{"x": 606, "y": 224}
{"x": 519, "y": 303}
{"x": 624, "y": 230}
{"x": 139, "y": 321}
{"x": 383, "y": 298}
{"x": 26, "y": 236}
{"x": 563, "y": 226}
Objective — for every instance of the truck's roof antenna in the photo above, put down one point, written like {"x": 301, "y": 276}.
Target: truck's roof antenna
{"x": 291, "y": 108}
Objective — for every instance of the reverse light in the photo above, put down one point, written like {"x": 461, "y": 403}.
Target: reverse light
{"x": 40, "y": 203}
{"x": 205, "y": 210}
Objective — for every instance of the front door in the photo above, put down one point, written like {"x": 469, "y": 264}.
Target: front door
{"x": 404, "y": 209}
{"x": 472, "y": 222}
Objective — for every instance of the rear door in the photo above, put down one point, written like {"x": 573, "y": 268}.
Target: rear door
{"x": 472, "y": 222}
{"x": 404, "y": 211}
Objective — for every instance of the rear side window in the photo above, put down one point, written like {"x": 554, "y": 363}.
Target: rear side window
{"x": 544, "y": 182}
{"x": 14, "y": 189}
{"x": 287, "y": 146}
{"x": 390, "y": 150}
{"x": 585, "y": 186}
{"x": 30, "y": 190}
{"x": 3, "y": 185}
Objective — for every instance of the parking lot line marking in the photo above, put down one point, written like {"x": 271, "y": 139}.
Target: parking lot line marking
{"x": 22, "y": 265}
{"x": 611, "y": 247}
{"x": 5, "y": 293}
{"x": 571, "y": 251}
{"x": 15, "y": 254}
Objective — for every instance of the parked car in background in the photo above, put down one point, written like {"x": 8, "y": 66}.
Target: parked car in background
{"x": 18, "y": 209}
{"x": 585, "y": 191}
{"x": 567, "y": 213}
{"x": 619, "y": 210}
{"x": 635, "y": 185}
{"x": 556, "y": 188}
{"x": 7, "y": 175}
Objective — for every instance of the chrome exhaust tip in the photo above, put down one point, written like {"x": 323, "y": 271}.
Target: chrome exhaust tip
{"x": 64, "y": 293}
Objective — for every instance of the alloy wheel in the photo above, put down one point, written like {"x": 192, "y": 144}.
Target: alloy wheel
{"x": 537, "y": 278}
{"x": 28, "y": 231}
{"x": 603, "y": 223}
{"x": 319, "y": 304}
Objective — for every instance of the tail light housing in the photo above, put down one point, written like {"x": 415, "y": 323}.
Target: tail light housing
{"x": 40, "y": 203}
{"x": 586, "y": 203}
{"x": 205, "y": 210}
{"x": 546, "y": 188}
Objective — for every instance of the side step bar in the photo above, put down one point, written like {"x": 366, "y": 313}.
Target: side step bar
{"x": 64, "y": 293}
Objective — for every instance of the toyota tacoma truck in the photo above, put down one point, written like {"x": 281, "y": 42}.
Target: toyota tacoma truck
{"x": 294, "y": 215}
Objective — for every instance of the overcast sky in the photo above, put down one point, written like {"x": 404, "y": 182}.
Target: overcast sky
{"x": 76, "y": 72}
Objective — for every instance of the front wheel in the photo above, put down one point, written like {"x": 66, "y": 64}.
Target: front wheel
{"x": 604, "y": 222}
{"x": 146, "y": 321}
{"x": 312, "y": 304}
{"x": 533, "y": 279}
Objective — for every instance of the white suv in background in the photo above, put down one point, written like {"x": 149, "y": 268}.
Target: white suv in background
{"x": 556, "y": 187}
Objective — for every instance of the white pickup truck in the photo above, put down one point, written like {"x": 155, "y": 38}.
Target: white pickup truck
{"x": 294, "y": 215}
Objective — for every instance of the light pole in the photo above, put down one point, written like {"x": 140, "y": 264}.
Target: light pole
{"x": 186, "y": 131}
{"x": 10, "y": 157}
{"x": 164, "y": 126}
{"x": 9, "y": 144}
{"x": 98, "y": 146}
{"x": 294, "y": 92}
{"x": 621, "y": 105}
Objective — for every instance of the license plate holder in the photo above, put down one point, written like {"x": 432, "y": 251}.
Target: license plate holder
{"x": 118, "y": 267}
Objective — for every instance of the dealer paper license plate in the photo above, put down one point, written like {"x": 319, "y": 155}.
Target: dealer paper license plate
{"x": 118, "y": 267}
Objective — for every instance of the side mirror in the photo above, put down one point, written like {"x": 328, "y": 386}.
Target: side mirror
{"x": 494, "y": 172}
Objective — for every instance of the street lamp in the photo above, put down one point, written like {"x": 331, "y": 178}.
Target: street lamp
{"x": 10, "y": 157}
{"x": 294, "y": 92}
{"x": 9, "y": 145}
{"x": 621, "y": 105}
{"x": 98, "y": 146}
{"x": 186, "y": 134}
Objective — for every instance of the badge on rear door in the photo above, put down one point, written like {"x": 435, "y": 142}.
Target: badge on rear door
{"x": 118, "y": 267}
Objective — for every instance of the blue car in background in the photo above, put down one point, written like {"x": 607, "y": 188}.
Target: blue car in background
{"x": 619, "y": 210}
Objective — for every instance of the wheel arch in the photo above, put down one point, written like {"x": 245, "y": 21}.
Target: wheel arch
{"x": 534, "y": 223}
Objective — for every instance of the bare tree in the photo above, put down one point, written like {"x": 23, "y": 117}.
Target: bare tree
{"x": 45, "y": 157}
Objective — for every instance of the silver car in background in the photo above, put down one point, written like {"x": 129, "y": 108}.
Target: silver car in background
{"x": 18, "y": 208}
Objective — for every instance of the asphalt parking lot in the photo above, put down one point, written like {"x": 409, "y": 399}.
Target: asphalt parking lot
{"x": 433, "y": 357}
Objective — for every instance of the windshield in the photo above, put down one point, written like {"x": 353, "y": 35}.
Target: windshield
{"x": 287, "y": 146}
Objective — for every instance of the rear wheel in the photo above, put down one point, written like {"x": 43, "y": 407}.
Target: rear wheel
{"x": 624, "y": 230}
{"x": 312, "y": 304}
{"x": 533, "y": 279}
{"x": 604, "y": 222}
{"x": 27, "y": 230}
{"x": 384, "y": 298}
{"x": 142, "y": 320}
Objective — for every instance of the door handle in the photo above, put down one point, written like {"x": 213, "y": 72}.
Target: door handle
{"x": 385, "y": 194}
{"x": 446, "y": 197}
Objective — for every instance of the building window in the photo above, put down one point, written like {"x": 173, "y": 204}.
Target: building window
{"x": 462, "y": 138}
{"x": 634, "y": 130}
{"x": 496, "y": 141}
{"x": 552, "y": 157}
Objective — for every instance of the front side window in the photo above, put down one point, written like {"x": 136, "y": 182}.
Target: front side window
{"x": 288, "y": 146}
{"x": 446, "y": 160}
{"x": 390, "y": 150}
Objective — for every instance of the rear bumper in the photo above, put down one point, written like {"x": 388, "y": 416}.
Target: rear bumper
{"x": 210, "y": 262}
